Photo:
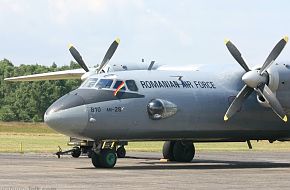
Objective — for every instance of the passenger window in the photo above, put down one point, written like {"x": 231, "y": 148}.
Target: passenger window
{"x": 90, "y": 82}
{"x": 104, "y": 83}
{"x": 131, "y": 85}
{"x": 117, "y": 84}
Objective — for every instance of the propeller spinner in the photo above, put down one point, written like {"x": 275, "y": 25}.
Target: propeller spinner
{"x": 109, "y": 54}
{"x": 256, "y": 80}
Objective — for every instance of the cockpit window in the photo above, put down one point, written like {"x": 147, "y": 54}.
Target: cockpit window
{"x": 118, "y": 83}
{"x": 90, "y": 82}
{"x": 131, "y": 85}
{"x": 104, "y": 83}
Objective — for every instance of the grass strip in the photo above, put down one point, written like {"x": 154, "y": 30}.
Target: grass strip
{"x": 37, "y": 137}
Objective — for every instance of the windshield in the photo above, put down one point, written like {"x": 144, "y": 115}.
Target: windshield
{"x": 90, "y": 82}
{"x": 104, "y": 83}
{"x": 110, "y": 84}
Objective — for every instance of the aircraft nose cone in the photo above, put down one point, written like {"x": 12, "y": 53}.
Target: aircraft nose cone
{"x": 253, "y": 78}
{"x": 66, "y": 117}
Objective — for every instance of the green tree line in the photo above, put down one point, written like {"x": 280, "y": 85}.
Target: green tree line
{"x": 28, "y": 101}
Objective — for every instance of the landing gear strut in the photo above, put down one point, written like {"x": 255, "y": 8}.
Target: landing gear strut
{"x": 180, "y": 151}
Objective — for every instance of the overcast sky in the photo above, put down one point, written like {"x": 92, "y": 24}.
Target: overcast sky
{"x": 169, "y": 32}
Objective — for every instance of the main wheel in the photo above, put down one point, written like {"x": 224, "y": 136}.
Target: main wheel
{"x": 108, "y": 158}
{"x": 76, "y": 152}
{"x": 183, "y": 151}
{"x": 95, "y": 159}
{"x": 167, "y": 150}
{"x": 121, "y": 152}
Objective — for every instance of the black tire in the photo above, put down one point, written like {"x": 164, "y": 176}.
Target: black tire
{"x": 108, "y": 158}
{"x": 90, "y": 153}
{"x": 76, "y": 152}
{"x": 95, "y": 159}
{"x": 183, "y": 151}
{"x": 121, "y": 152}
{"x": 167, "y": 150}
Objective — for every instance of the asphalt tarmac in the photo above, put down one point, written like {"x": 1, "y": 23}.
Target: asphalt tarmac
{"x": 209, "y": 170}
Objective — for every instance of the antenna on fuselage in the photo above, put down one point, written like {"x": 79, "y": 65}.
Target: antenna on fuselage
{"x": 151, "y": 65}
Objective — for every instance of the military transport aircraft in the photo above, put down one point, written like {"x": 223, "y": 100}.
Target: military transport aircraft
{"x": 206, "y": 104}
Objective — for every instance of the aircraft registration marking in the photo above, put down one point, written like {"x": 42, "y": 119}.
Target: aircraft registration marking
{"x": 108, "y": 109}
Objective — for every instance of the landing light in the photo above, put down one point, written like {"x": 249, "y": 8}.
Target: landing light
{"x": 159, "y": 109}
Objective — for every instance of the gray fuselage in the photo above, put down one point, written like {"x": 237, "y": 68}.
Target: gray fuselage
{"x": 201, "y": 99}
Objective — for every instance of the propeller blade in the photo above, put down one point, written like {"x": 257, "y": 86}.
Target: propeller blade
{"x": 274, "y": 54}
{"x": 109, "y": 54}
{"x": 236, "y": 54}
{"x": 268, "y": 95}
{"x": 77, "y": 56}
{"x": 238, "y": 101}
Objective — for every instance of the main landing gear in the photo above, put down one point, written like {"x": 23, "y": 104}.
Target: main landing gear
{"x": 180, "y": 151}
{"x": 105, "y": 154}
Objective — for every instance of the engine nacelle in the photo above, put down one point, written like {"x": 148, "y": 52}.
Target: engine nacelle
{"x": 160, "y": 109}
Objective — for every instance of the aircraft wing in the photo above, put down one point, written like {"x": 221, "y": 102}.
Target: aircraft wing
{"x": 58, "y": 75}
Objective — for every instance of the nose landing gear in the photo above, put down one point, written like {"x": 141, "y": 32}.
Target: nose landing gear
{"x": 180, "y": 151}
{"x": 104, "y": 154}
{"x": 106, "y": 158}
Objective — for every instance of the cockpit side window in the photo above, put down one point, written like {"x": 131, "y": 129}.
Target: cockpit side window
{"x": 104, "y": 83}
{"x": 117, "y": 84}
{"x": 90, "y": 82}
{"x": 131, "y": 85}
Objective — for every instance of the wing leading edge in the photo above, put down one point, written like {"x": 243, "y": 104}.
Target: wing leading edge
{"x": 58, "y": 75}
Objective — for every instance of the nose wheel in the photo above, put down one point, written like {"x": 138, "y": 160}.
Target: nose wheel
{"x": 104, "y": 156}
{"x": 107, "y": 158}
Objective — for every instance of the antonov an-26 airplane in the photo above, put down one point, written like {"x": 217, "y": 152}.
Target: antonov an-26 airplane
{"x": 205, "y": 104}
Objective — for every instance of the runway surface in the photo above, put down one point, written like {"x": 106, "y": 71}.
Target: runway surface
{"x": 209, "y": 170}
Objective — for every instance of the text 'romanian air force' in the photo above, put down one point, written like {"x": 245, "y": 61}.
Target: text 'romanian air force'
{"x": 177, "y": 84}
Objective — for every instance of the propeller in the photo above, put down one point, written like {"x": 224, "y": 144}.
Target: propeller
{"x": 256, "y": 80}
{"x": 109, "y": 54}
{"x": 77, "y": 56}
